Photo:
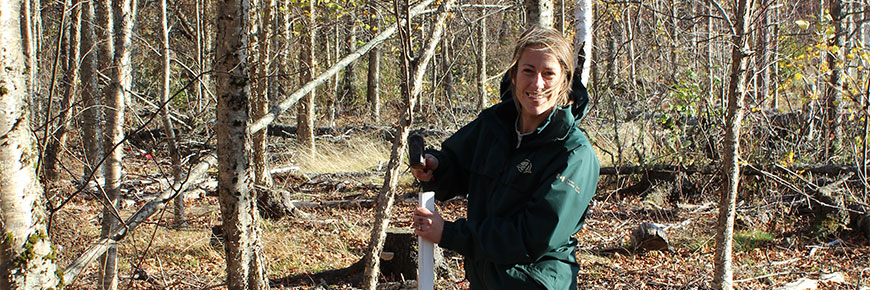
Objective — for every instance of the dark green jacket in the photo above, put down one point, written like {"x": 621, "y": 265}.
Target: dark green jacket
{"x": 526, "y": 198}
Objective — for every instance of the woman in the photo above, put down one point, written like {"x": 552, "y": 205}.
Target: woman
{"x": 527, "y": 171}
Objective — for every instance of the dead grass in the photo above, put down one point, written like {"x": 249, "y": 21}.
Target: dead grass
{"x": 351, "y": 154}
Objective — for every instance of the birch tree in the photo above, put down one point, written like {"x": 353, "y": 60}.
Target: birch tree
{"x": 540, "y": 12}
{"x": 723, "y": 273}
{"x": 121, "y": 78}
{"x": 246, "y": 265}
{"x": 481, "y": 59}
{"x": 583, "y": 38}
{"x": 27, "y": 257}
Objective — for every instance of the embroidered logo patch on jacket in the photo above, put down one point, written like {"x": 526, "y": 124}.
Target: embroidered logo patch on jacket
{"x": 525, "y": 166}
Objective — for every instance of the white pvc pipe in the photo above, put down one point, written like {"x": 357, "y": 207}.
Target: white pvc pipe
{"x": 426, "y": 250}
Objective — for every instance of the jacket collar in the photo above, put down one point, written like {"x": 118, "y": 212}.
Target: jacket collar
{"x": 558, "y": 125}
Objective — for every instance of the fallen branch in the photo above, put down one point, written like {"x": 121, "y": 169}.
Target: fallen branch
{"x": 99, "y": 247}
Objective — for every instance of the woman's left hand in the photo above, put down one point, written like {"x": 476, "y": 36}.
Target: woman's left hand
{"x": 428, "y": 225}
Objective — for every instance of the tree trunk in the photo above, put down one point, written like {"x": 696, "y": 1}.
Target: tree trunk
{"x": 763, "y": 62}
{"x": 540, "y": 12}
{"x": 613, "y": 44}
{"x": 26, "y": 252}
{"x": 710, "y": 79}
{"x": 244, "y": 254}
{"x": 165, "y": 92}
{"x": 447, "y": 58}
{"x": 834, "y": 135}
{"x": 121, "y": 77}
{"x": 481, "y": 59}
{"x": 260, "y": 164}
{"x": 348, "y": 91}
{"x": 411, "y": 90}
{"x": 583, "y": 38}
{"x": 723, "y": 273}
{"x": 29, "y": 43}
{"x": 57, "y": 143}
{"x": 629, "y": 33}
{"x": 92, "y": 133}
{"x": 373, "y": 92}
{"x": 305, "y": 115}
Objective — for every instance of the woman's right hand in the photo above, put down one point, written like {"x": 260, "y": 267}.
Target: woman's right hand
{"x": 424, "y": 174}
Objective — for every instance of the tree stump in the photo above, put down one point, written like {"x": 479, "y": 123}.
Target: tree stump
{"x": 399, "y": 256}
{"x": 650, "y": 237}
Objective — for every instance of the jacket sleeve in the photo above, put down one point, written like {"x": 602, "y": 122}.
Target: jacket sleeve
{"x": 549, "y": 220}
{"x": 450, "y": 179}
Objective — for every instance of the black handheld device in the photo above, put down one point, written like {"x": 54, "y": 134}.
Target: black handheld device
{"x": 415, "y": 151}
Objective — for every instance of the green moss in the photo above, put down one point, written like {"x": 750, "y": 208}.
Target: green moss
{"x": 748, "y": 240}
{"x": 3, "y": 91}
{"x": 60, "y": 283}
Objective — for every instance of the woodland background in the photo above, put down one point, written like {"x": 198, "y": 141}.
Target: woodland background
{"x": 130, "y": 102}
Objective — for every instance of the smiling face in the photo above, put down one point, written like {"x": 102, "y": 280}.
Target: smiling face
{"x": 536, "y": 80}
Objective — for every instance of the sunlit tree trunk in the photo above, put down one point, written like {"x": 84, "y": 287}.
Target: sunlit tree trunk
{"x": 373, "y": 92}
{"x": 200, "y": 56}
{"x": 244, "y": 254}
{"x": 763, "y": 62}
{"x": 540, "y": 12}
{"x": 26, "y": 249}
{"x": 305, "y": 115}
{"x": 29, "y": 43}
{"x": 583, "y": 38}
{"x": 629, "y": 31}
{"x": 723, "y": 273}
{"x": 481, "y": 58}
{"x": 57, "y": 143}
{"x": 119, "y": 86}
{"x": 165, "y": 94}
{"x": 92, "y": 133}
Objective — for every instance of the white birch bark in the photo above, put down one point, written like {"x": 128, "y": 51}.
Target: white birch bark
{"x": 246, "y": 265}
{"x": 723, "y": 272}
{"x": 165, "y": 93}
{"x": 27, "y": 260}
{"x": 119, "y": 86}
{"x": 540, "y": 13}
{"x": 583, "y": 38}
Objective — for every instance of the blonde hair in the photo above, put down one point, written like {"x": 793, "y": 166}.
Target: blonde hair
{"x": 550, "y": 40}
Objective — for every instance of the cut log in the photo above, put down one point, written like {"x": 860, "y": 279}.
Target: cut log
{"x": 650, "y": 237}
{"x": 402, "y": 243}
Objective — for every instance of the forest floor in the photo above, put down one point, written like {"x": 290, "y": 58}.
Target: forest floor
{"x": 773, "y": 245}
